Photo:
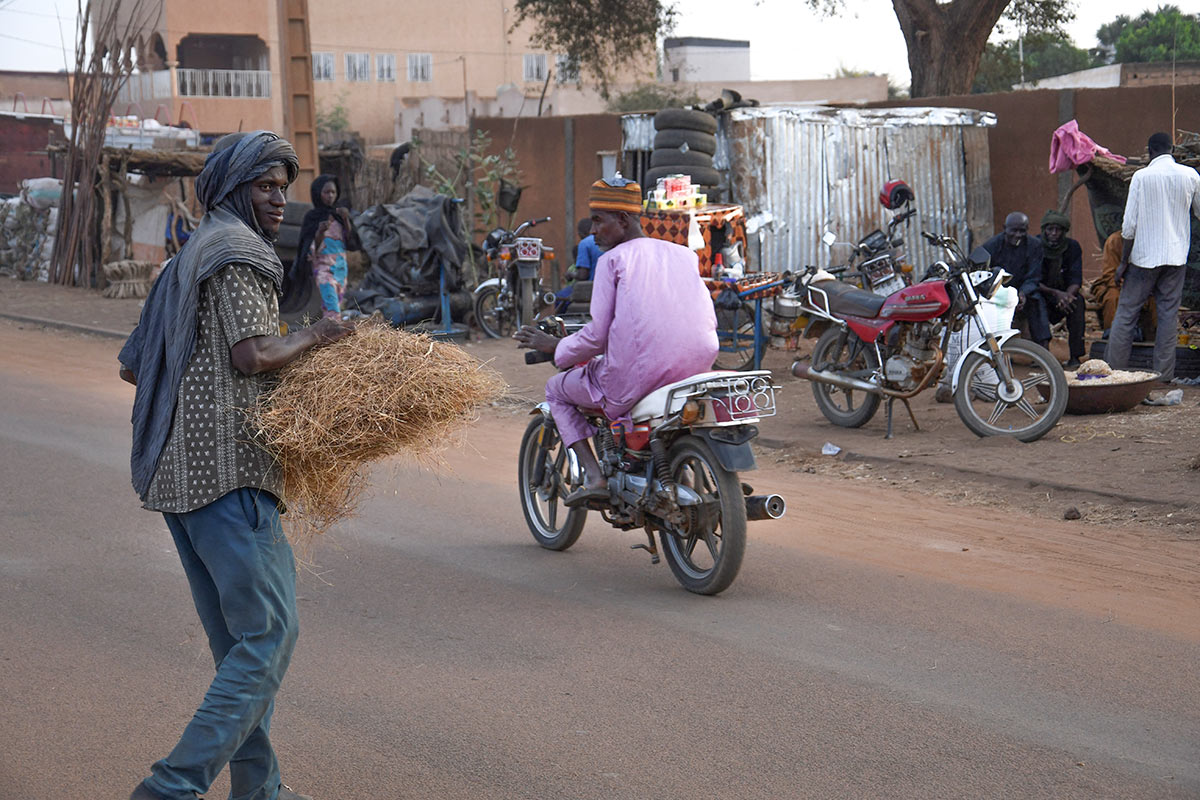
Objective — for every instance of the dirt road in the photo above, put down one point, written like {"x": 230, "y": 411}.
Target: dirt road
{"x": 879, "y": 642}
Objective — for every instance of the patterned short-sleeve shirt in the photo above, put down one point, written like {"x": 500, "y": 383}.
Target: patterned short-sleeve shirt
{"x": 210, "y": 450}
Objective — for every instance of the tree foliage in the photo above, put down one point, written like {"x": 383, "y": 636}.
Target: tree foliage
{"x": 946, "y": 38}
{"x": 1163, "y": 35}
{"x": 1046, "y": 55}
{"x": 652, "y": 97}
{"x": 1027, "y": 17}
{"x": 597, "y": 36}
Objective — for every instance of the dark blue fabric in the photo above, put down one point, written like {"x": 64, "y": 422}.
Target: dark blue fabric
{"x": 1067, "y": 270}
{"x": 160, "y": 347}
{"x": 1024, "y": 263}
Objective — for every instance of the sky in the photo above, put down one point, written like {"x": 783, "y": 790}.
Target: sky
{"x": 787, "y": 40}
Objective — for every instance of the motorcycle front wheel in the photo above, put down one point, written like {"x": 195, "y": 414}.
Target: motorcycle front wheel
{"x": 1027, "y": 412}
{"x": 848, "y": 408}
{"x": 493, "y": 313}
{"x": 705, "y": 552}
{"x": 543, "y": 481}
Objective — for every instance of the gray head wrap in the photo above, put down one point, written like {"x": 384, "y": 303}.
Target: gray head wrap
{"x": 236, "y": 160}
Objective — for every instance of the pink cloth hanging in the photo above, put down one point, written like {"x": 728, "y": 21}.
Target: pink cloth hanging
{"x": 1070, "y": 147}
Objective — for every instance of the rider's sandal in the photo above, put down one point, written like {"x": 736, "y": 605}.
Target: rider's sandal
{"x": 583, "y": 494}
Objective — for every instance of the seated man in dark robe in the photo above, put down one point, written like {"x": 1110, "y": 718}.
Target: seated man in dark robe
{"x": 1021, "y": 256}
{"x": 1062, "y": 277}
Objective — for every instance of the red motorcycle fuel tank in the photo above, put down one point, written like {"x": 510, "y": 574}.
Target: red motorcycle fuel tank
{"x": 917, "y": 303}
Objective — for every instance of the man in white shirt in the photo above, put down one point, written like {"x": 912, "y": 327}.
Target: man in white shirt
{"x": 1157, "y": 233}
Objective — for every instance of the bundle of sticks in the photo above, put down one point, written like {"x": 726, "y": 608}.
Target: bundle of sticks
{"x": 378, "y": 393}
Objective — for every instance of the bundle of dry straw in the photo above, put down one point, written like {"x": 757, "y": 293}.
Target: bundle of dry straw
{"x": 377, "y": 393}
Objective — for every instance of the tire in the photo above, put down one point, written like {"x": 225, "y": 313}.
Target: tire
{"x": 492, "y": 315}
{"x": 542, "y": 504}
{"x": 701, "y": 176}
{"x": 525, "y": 303}
{"x": 674, "y": 138}
{"x": 706, "y": 553}
{"x": 837, "y": 404}
{"x": 675, "y": 157}
{"x": 735, "y": 334}
{"x": 1025, "y": 417}
{"x": 686, "y": 118}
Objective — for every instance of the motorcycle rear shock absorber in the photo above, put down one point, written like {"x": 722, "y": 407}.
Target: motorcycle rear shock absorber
{"x": 661, "y": 468}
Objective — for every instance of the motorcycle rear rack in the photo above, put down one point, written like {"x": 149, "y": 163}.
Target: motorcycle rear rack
{"x": 734, "y": 400}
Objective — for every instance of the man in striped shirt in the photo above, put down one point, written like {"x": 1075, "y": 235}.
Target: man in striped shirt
{"x": 1157, "y": 233}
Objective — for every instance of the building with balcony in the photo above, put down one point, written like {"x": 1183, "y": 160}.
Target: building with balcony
{"x": 384, "y": 67}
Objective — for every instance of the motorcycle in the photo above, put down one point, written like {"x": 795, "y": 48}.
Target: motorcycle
{"x": 872, "y": 347}
{"x": 877, "y": 261}
{"x": 672, "y": 470}
{"x": 503, "y": 304}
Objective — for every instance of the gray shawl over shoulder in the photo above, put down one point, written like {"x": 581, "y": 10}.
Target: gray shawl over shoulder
{"x": 159, "y": 349}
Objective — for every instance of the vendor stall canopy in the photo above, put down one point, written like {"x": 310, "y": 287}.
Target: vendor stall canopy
{"x": 800, "y": 171}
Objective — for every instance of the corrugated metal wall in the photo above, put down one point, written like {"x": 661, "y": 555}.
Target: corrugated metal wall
{"x": 819, "y": 169}
{"x": 813, "y": 169}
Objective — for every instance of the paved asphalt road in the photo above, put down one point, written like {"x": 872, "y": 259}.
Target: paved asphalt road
{"x": 443, "y": 655}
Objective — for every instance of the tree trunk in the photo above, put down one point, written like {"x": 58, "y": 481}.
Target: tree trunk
{"x": 945, "y": 42}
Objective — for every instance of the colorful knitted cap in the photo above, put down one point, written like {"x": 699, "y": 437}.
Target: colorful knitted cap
{"x": 615, "y": 194}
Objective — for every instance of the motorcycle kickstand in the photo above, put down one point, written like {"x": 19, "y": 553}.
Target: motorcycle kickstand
{"x": 911, "y": 415}
{"x": 650, "y": 547}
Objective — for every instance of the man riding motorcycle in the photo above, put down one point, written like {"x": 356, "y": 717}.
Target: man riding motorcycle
{"x": 652, "y": 324}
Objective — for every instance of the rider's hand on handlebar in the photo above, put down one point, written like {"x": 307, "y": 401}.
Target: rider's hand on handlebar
{"x": 535, "y": 339}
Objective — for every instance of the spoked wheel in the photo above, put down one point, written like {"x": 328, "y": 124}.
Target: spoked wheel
{"x": 705, "y": 553}
{"x": 1027, "y": 411}
{"x": 493, "y": 313}
{"x": 735, "y": 334}
{"x": 849, "y": 408}
{"x": 544, "y": 480}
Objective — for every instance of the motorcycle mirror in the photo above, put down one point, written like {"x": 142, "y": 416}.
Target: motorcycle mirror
{"x": 980, "y": 257}
{"x": 829, "y": 239}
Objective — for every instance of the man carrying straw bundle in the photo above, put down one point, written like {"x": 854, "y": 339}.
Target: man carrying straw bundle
{"x": 652, "y": 324}
{"x": 206, "y": 347}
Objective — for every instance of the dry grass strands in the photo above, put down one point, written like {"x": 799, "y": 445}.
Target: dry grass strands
{"x": 378, "y": 393}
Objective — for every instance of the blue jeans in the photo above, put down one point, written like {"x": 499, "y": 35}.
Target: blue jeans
{"x": 243, "y": 581}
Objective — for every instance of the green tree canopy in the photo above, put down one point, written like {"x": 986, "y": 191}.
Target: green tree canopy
{"x": 1164, "y": 35}
{"x": 597, "y": 36}
{"x": 1046, "y": 55}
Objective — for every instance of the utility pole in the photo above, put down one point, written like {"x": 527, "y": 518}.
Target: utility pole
{"x": 296, "y": 91}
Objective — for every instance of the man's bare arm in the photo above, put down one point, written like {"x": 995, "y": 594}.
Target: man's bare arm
{"x": 265, "y": 353}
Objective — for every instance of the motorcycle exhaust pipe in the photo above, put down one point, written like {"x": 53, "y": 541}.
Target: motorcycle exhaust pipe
{"x": 803, "y": 370}
{"x": 549, "y": 299}
{"x": 765, "y": 506}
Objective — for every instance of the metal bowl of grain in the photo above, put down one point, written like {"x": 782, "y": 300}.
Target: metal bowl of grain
{"x": 1105, "y": 394}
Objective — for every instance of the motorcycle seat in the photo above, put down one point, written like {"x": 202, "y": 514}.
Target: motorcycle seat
{"x": 653, "y": 404}
{"x": 850, "y": 300}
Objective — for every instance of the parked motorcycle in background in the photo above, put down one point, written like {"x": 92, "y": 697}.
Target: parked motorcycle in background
{"x": 872, "y": 347}
{"x": 674, "y": 470}
{"x": 877, "y": 262}
{"x": 514, "y": 297}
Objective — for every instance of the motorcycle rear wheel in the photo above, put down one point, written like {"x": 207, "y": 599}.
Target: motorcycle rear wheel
{"x": 492, "y": 314}
{"x": 706, "y": 553}
{"x": 553, "y": 525}
{"x": 1027, "y": 416}
{"x": 848, "y": 408}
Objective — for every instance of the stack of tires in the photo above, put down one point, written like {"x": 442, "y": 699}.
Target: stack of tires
{"x": 684, "y": 143}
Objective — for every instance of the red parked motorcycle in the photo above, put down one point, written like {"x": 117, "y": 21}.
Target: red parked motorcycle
{"x": 872, "y": 347}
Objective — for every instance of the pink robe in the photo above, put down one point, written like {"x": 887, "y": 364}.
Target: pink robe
{"x": 652, "y": 324}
